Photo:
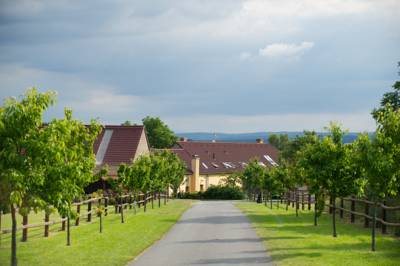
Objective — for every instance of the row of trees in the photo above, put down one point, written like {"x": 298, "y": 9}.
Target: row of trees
{"x": 368, "y": 167}
{"x": 155, "y": 173}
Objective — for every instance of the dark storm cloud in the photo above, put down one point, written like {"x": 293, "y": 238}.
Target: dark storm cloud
{"x": 215, "y": 58}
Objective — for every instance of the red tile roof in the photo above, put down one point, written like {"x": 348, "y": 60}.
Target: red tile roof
{"x": 122, "y": 145}
{"x": 224, "y": 157}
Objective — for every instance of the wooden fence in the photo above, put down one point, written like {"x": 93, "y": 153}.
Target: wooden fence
{"x": 119, "y": 203}
{"x": 386, "y": 215}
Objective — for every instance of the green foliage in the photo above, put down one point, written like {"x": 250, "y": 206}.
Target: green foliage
{"x": 215, "y": 193}
{"x": 154, "y": 172}
{"x": 328, "y": 165}
{"x": 233, "y": 180}
{"x": 253, "y": 176}
{"x": 279, "y": 141}
{"x": 21, "y": 169}
{"x": 69, "y": 160}
{"x": 223, "y": 193}
{"x": 160, "y": 136}
{"x": 390, "y": 99}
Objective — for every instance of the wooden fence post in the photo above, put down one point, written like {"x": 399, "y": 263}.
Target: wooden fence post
{"x": 78, "y": 212}
{"x": 309, "y": 201}
{"x": 24, "y": 230}
{"x": 130, "y": 201}
{"x": 384, "y": 217}
{"x": 302, "y": 200}
{"x": 353, "y": 208}
{"x": 366, "y": 211}
{"x": 89, "y": 209}
{"x": 46, "y": 226}
{"x": 341, "y": 206}
{"x": 330, "y": 205}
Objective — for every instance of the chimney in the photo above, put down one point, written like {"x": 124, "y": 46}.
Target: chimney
{"x": 184, "y": 139}
{"x": 195, "y": 178}
{"x": 260, "y": 141}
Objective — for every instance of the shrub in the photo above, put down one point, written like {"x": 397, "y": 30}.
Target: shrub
{"x": 223, "y": 193}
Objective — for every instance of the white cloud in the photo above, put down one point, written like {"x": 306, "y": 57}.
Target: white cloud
{"x": 245, "y": 56}
{"x": 286, "y": 49}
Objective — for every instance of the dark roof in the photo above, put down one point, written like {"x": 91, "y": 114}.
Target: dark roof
{"x": 122, "y": 145}
{"x": 225, "y": 157}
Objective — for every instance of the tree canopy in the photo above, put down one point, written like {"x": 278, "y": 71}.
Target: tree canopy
{"x": 160, "y": 136}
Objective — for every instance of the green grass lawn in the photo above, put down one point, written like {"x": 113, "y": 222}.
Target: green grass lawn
{"x": 118, "y": 244}
{"x": 292, "y": 240}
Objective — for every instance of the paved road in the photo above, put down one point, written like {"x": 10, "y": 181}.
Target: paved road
{"x": 210, "y": 233}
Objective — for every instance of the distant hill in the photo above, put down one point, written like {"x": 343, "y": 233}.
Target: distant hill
{"x": 251, "y": 137}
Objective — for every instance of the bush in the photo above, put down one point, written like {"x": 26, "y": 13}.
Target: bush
{"x": 215, "y": 193}
{"x": 223, "y": 193}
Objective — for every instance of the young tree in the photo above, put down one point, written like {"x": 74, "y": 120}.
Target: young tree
{"x": 21, "y": 169}
{"x": 335, "y": 172}
{"x": 175, "y": 172}
{"x": 380, "y": 159}
{"x": 160, "y": 136}
{"x": 233, "y": 180}
{"x": 69, "y": 162}
{"x": 139, "y": 177}
{"x": 252, "y": 178}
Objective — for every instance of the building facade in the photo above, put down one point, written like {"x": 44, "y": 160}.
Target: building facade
{"x": 209, "y": 163}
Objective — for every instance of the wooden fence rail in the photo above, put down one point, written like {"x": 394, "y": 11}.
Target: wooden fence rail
{"x": 121, "y": 201}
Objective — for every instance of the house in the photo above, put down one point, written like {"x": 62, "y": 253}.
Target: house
{"x": 208, "y": 163}
{"x": 116, "y": 145}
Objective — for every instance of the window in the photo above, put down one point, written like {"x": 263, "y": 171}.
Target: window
{"x": 202, "y": 187}
{"x": 187, "y": 189}
{"x": 204, "y": 165}
{"x": 270, "y": 160}
{"x": 215, "y": 165}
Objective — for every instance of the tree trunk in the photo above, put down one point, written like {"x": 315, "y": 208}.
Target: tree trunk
{"x": 297, "y": 203}
{"x": 270, "y": 197}
{"x": 287, "y": 201}
{"x": 334, "y": 216}
{"x": 159, "y": 199}
{"x": 165, "y": 196}
{"x": 152, "y": 200}
{"x": 145, "y": 202}
{"x": 122, "y": 214}
{"x": 68, "y": 231}
{"x": 101, "y": 222}
{"x": 134, "y": 202}
{"x": 24, "y": 230}
{"x": 315, "y": 211}
{"x": 46, "y": 226}
{"x": 13, "y": 237}
{"x": 78, "y": 213}
{"x": 373, "y": 228}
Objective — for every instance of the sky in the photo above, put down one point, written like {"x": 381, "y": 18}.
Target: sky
{"x": 205, "y": 66}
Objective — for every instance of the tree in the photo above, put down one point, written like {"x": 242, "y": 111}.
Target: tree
{"x": 252, "y": 178}
{"x": 69, "y": 162}
{"x": 279, "y": 141}
{"x": 139, "y": 177}
{"x": 329, "y": 166}
{"x": 21, "y": 171}
{"x": 128, "y": 123}
{"x": 174, "y": 172}
{"x": 390, "y": 99}
{"x": 160, "y": 136}
{"x": 233, "y": 180}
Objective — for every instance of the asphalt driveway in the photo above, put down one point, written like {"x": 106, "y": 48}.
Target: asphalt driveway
{"x": 209, "y": 233}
